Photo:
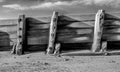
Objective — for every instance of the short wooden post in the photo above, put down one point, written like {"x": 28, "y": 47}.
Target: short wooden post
{"x": 98, "y": 31}
{"x": 21, "y": 36}
{"x": 52, "y": 33}
{"x": 57, "y": 49}
{"x": 103, "y": 47}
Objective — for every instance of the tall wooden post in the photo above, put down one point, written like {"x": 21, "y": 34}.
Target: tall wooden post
{"x": 52, "y": 33}
{"x": 98, "y": 31}
{"x": 21, "y": 36}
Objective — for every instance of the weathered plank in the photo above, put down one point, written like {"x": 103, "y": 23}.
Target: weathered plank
{"x": 112, "y": 17}
{"x": 112, "y": 37}
{"x": 62, "y": 39}
{"x": 76, "y": 25}
{"x": 9, "y": 29}
{"x": 8, "y": 22}
{"x": 111, "y": 31}
{"x": 39, "y": 26}
{"x": 67, "y": 20}
{"x": 111, "y": 23}
{"x": 38, "y": 20}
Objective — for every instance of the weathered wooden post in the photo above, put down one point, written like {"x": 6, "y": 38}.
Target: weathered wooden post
{"x": 57, "y": 49}
{"x": 21, "y": 36}
{"x": 52, "y": 33}
{"x": 98, "y": 31}
{"x": 103, "y": 46}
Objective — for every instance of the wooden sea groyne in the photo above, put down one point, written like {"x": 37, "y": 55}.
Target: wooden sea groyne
{"x": 95, "y": 30}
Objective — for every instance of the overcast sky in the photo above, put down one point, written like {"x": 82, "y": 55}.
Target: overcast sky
{"x": 12, "y": 8}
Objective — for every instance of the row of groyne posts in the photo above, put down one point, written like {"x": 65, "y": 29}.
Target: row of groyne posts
{"x": 98, "y": 44}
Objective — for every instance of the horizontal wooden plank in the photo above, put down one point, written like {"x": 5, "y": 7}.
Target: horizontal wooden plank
{"x": 4, "y": 42}
{"x": 111, "y": 27}
{"x": 71, "y": 25}
{"x": 14, "y": 31}
{"x": 74, "y": 31}
{"x": 87, "y": 19}
{"x": 32, "y": 20}
{"x": 46, "y": 19}
{"x": 8, "y": 29}
{"x": 37, "y": 40}
{"x": 75, "y": 39}
{"x": 111, "y": 23}
{"x": 64, "y": 32}
{"x": 8, "y": 35}
{"x": 8, "y": 22}
{"x": 34, "y": 33}
{"x": 60, "y": 31}
{"x": 9, "y": 25}
{"x": 38, "y": 33}
{"x": 112, "y": 37}
{"x": 44, "y": 40}
{"x": 113, "y": 31}
{"x": 62, "y": 39}
{"x": 73, "y": 16}
{"x": 40, "y": 26}
{"x": 82, "y": 17}
{"x": 79, "y": 25}
{"x": 111, "y": 17}
{"x": 5, "y": 48}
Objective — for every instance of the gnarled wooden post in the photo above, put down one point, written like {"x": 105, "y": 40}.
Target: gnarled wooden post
{"x": 52, "y": 33}
{"x": 98, "y": 31}
{"x": 21, "y": 36}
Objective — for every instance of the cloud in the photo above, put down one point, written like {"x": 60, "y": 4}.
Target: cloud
{"x": 15, "y": 6}
{"x": 2, "y": 0}
{"x": 57, "y": 3}
{"x": 43, "y": 5}
{"x": 50, "y": 4}
{"x": 111, "y": 3}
